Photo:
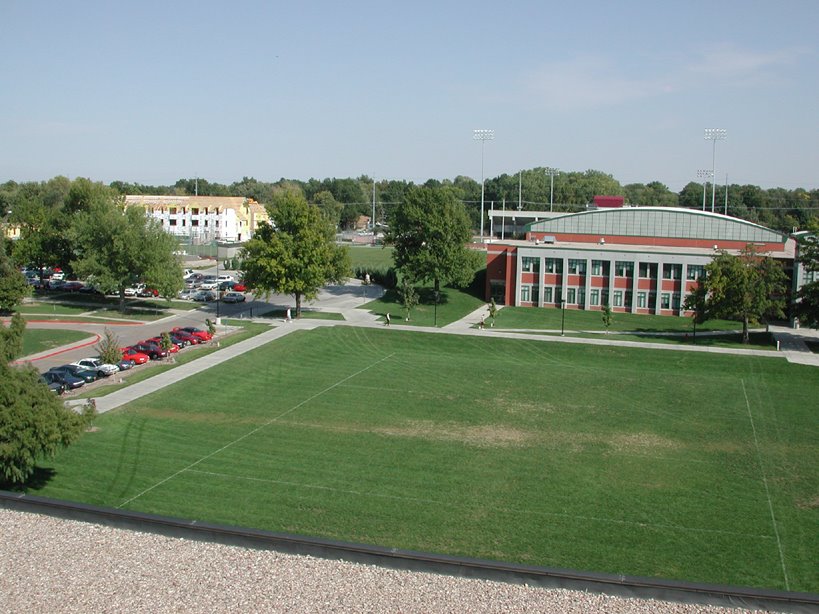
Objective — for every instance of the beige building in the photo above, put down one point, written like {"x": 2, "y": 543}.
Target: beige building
{"x": 231, "y": 219}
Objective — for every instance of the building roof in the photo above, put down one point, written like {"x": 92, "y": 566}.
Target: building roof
{"x": 665, "y": 222}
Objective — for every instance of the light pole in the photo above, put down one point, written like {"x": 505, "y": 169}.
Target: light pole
{"x": 482, "y": 135}
{"x": 714, "y": 134}
{"x": 552, "y": 172}
{"x": 704, "y": 175}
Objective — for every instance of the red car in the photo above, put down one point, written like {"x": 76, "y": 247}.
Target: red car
{"x": 185, "y": 337}
{"x": 138, "y": 357}
{"x": 196, "y": 332}
{"x": 158, "y": 341}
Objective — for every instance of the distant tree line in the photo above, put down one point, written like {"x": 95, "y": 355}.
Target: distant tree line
{"x": 344, "y": 200}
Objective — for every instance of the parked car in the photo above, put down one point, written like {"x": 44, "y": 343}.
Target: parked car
{"x": 55, "y": 284}
{"x": 209, "y": 285}
{"x": 84, "y": 374}
{"x": 71, "y": 382}
{"x": 154, "y": 351}
{"x": 125, "y": 364}
{"x": 53, "y": 381}
{"x": 225, "y": 277}
{"x": 196, "y": 332}
{"x": 233, "y": 297}
{"x": 72, "y": 286}
{"x": 158, "y": 341}
{"x": 95, "y": 364}
{"x": 186, "y": 294}
{"x": 146, "y": 292}
{"x": 135, "y": 355}
{"x": 186, "y": 337}
{"x": 235, "y": 286}
{"x": 132, "y": 291}
{"x": 188, "y": 273}
{"x": 204, "y": 296}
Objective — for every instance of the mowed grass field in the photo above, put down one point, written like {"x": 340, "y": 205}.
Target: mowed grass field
{"x": 643, "y": 462}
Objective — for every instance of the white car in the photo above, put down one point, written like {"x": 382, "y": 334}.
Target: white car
{"x": 102, "y": 369}
{"x": 209, "y": 285}
{"x": 186, "y": 294}
{"x": 222, "y": 278}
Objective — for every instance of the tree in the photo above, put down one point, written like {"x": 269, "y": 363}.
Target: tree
{"x": 408, "y": 295}
{"x": 109, "y": 348}
{"x": 749, "y": 287}
{"x": 696, "y": 303}
{"x": 807, "y": 298}
{"x": 295, "y": 253}
{"x": 13, "y": 286}
{"x": 608, "y": 317}
{"x": 118, "y": 246}
{"x": 33, "y": 422}
{"x": 430, "y": 232}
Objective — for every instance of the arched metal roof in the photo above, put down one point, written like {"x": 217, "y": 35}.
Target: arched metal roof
{"x": 670, "y": 222}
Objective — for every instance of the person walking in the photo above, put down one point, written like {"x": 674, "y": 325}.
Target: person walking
{"x": 387, "y": 319}
{"x": 287, "y": 316}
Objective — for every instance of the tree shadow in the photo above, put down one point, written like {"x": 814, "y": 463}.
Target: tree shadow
{"x": 37, "y": 481}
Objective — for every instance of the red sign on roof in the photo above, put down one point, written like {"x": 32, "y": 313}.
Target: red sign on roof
{"x": 609, "y": 201}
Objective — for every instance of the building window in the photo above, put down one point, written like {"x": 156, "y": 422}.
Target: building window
{"x": 195, "y": 211}
{"x": 641, "y": 300}
{"x": 665, "y": 301}
{"x": 694, "y": 272}
{"x": 184, "y": 223}
{"x": 599, "y": 267}
{"x": 524, "y": 294}
{"x": 547, "y": 294}
{"x": 172, "y": 210}
{"x": 172, "y": 222}
{"x": 571, "y": 296}
{"x": 530, "y": 265}
{"x": 594, "y": 297}
{"x": 194, "y": 222}
{"x": 577, "y": 267}
{"x": 581, "y": 297}
{"x": 604, "y": 297}
{"x": 672, "y": 271}
{"x": 551, "y": 265}
{"x": 648, "y": 270}
{"x": 675, "y": 301}
{"x": 811, "y": 276}
{"x": 206, "y": 222}
{"x": 618, "y": 298}
{"x": 623, "y": 268}
{"x": 535, "y": 295}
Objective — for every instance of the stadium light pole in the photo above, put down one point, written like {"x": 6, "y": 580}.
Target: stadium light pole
{"x": 482, "y": 135}
{"x": 714, "y": 135}
{"x": 704, "y": 175}
{"x": 552, "y": 172}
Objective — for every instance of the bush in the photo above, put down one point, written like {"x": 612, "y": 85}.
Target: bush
{"x": 385, "y": 277}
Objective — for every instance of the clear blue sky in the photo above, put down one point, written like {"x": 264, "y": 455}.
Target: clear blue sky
{"x": 154, "y": 91}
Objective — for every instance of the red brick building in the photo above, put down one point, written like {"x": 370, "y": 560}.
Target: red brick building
{"x": 636, "y": 259}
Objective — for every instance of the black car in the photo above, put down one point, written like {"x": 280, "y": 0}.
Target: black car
{"x": 71, "y": 382}
{"x": 151, "y": 349}
{"x": 86, "y": 375}
{"x": 53, "y": 381}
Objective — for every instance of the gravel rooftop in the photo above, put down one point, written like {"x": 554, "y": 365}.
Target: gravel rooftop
{"x": 54, "y": 565}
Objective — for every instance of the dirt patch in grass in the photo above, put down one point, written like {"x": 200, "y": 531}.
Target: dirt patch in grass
{"x": 809, "y": 504}
{"x": 529, "y": 407}
{"x": 481, "y": 436}
{"x": 631, "y": 442}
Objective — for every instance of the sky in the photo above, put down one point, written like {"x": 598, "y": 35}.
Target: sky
{"x": 154, "y": 91}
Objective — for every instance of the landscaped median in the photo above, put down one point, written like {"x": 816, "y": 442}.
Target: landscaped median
{"x": 230, "y": 333}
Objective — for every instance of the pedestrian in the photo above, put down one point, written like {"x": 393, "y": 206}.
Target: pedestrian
{"x": 481, "y": 324}
{"x": 287, "y": 316}
{"x": 387, "y": 319}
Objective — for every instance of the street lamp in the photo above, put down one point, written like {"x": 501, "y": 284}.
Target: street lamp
{"x": 482, "y": 135}
{"x": 552, "y": 172}
{"x": 714, "y": 134}
{"x": 704, "y": 175}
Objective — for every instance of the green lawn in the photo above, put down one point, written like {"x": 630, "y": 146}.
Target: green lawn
{"x": 453, "y": 304}
{"x": 377, "y": 257}
{"x": 39, "y": 340}
{"x": 643, "y": 462}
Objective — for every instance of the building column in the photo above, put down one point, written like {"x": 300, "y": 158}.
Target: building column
{"x": 564, "y": 278}
{"x": 540, "y": 275}
{"x": 610, "y": 288}
{"x": 683, "y": 283}
{"x": 635, "y": 275}
{"x": 588, "y": 283}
